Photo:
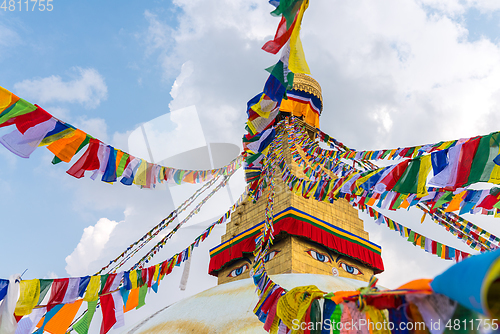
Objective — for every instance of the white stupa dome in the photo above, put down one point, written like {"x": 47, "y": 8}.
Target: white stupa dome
{"x": 228, "y": 308}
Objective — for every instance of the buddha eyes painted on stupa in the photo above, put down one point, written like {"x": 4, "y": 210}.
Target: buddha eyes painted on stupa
{"x": 317, "y": 259}
{"x": 332, "y": 261}
{"x": 240, "y": 270}
{"x": 353, "y": 270}
{"x": 318, "y": 256}
{"x": 269, "y": 256}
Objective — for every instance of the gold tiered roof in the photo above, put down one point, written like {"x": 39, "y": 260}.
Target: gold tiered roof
{"x": 307, "y": 84}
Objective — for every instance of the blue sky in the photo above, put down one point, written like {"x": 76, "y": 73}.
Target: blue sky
{"x": 393, "y": 74}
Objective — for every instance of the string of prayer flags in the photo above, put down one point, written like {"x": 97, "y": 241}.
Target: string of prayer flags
{"x": 149, "y": 255}
{"x": 398, "y": 186}
{"x": 66, "y": 293}
{"x": 35, "y": 127}
{"x": 427, "y": 244}
{"x": 264, "y": 107}
{"x": 462, "y": 232}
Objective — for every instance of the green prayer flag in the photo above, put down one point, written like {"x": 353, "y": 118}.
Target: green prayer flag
{"x": 21, "y": 107}
{"x": 439, "y": 248}
{"x": 408, "y": 182}
{"x": 104, "y": 278}
{"x": 143, "y": 290}
{"x": 139, "y": 278}
{"x": 315, "y": 316}
{"x": 44, "y": 288}
{"x": 410, "y": 152}
{"x": 56, "y": 160}
{"x": 335, "y": 319}
{"x": 386, "y": 153}
{"x": 447, "y": 197}
{"x": 277, "y": 71}
{"x": 121, "y": 165}
{"x": 82, "y": 326}
{"x": 411, "y": 238}
{"x": 482, "y": 164}
{"x": 287, "y": 8}
{"x": 398, "y": 201}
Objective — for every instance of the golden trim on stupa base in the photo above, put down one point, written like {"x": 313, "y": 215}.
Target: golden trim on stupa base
{"x": 307, "y": 84}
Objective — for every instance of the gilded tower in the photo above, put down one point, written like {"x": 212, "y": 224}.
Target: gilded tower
{"x": 310, "y": 236}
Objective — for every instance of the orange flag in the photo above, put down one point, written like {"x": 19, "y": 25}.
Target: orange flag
{"x": 61, "y": 321}
{"x": 65, "y": 148}
{"x": 132, "y": 301}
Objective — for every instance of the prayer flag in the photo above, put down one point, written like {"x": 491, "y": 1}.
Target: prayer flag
{"x": 82, "y": 326}
{"x": 61, "y": 321}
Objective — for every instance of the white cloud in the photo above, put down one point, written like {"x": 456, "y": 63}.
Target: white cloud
{"x": 8, "y": 37}
{"x": 93, "y": 241}
{"x": 86, "y": 87}
{"x": 51, "y": 275}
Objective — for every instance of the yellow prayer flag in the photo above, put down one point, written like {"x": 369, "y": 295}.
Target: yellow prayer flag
{"x": 423, "y": 172}
{"x": 140, "y": 175}
{"x": 497, "y": 215}
{"x": 294, "y": 304}
{"x": 495, "y": 174}
{"x": 5, "y": 98}
{"x": 423, "y": 218}
{"x": 415, "y": 152}
{"x": 61, "y": 135}
{"x": 93, "y": 289}
{"x": 297, "y": 61}
{"x": 365, "y": 178}
{"x": 264, "y": 107}
{"x": 133, "y": 278}
{"x": 391, "y": 154}
{"x": 454, "y": 205}
{"x": 28, "y": 296}
{"x": 157, "y": 272}
{"x": 376, "y": 317}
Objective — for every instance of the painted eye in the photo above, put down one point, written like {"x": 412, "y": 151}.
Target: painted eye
{"x": 350, "y": 269}
{"x": 238, "y": 271}
{"x": 318, "y": 256}
{"x": 269, "y": 256}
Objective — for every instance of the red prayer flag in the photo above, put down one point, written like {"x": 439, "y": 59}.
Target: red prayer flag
{"x": 88, "y": 161}
{"x": 26, "y": 121}
{"x": 58, "y": 291}
{"x": 108, "y": 313}
{"x": 281, "y": 37}
{"x": 108, "y": 283}
{"x": 151, "y": 272}
{"x": 467, "y": 154}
